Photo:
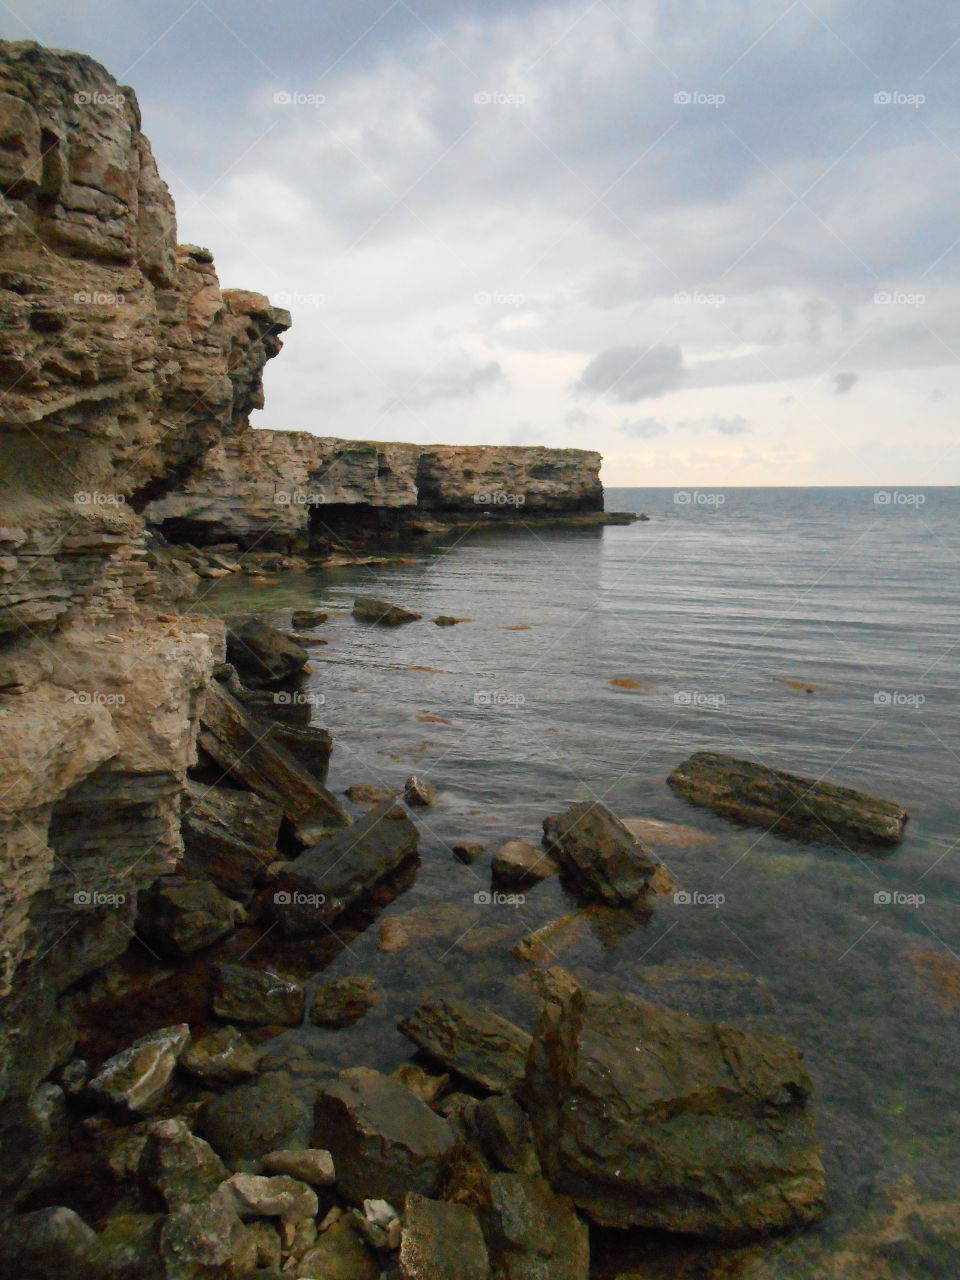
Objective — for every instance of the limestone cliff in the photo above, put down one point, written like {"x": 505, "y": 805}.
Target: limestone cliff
{"x": 121, "y": 362}
{"x": 276, "y": 488}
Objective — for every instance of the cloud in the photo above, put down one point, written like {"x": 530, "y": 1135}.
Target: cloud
{"x": 644, "y": 428}
{"x": 735, "y": 426}
{"x": 843, "y": 383}
{"x": 628, "y": 374}
{"x": 578, "y": 418}
{"x": 453, "y": 383}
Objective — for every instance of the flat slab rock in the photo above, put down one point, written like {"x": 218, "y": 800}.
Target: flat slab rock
{"x": 647, "y": 1117}
{"x": 602, "y": 858}
{"x": 471, "y": 1040}
{"x": 786, "y": 802}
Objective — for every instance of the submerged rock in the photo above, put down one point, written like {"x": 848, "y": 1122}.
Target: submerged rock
{"x": 441, "y": 1241}
{"x": 387, "y": 615}
{"x": 647, "y": 1117}
{"x": 219, "y": 1058}
{"x": 342, "y": 1001}
{"x": 384, "y": 1140}
{"x": 518, "y": 862}
{"x": 136, "y": 1078}
{"x": 245, "y": 993}
{"x": 601, "y": 857}
{"x": 362, "y": 793}
{"x": 264, "y": 657}
{"x": 786, "y": 803}
{"x": 472, "y": 1040}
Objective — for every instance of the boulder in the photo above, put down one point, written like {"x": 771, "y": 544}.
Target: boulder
{"x": 229, "y": 836}
{"x": 534, "y": 1233}
{"x": 264, "y": 657}
{"x": 600, "y": 856}
{"x": 342, "y": 1001}
{"x": 472, "y": 1040}
{"x": 307, "y": 618}
{"x": 325, "y": 880}
{"x": 177, "y": 917}
{"x": 384, "y": 1140}
{"x": 417, "y": 792}
{"x": 47, "y": 1242}
{"x": 379, "y": 611}
{"x": 219, "y": 1058}
{"x": 785, "y": 803}
{"x": 262, "y": 997}
{"x": 308, "y": 1164}
{"x": 647, "y": 1117}
{"x": 138, "y": 1077}
{"x": 441, "y": 1242}
{"x": 518, "y": 862}
{"x": 266, "y": 1114}
{"x": 176, "y": 1166}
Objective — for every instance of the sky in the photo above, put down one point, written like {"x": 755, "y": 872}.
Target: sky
{"x": 716, "y": 241}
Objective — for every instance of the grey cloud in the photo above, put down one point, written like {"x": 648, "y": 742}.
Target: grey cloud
{"x": 628, "y": 374}
{"x": 455, "y": 383}
{"x": 843, "y": 383}
{"x": 644, "y": 428}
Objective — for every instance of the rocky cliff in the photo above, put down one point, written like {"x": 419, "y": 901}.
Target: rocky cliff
{"x": 121, "y": 362}
{"x": 288, "y": 489}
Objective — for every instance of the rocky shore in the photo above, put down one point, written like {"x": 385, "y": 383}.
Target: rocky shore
{"x": 177, "y": 874}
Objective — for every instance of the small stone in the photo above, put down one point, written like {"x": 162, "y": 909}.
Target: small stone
{"x": 136, "y": 1078}
{"x": 308, "y": 1164}
{"x": 469, "y": 852}
{"x": 220, "y": 1058}
{"x": 416, "y": 792}
{"x": 308, "y": 618}
{"x": 518, "y": 862}
{"x": 276, "y": 1197}
{"x": 379, "y": 611}
{"x": 425, "y": 1084}
{"x": 343, "y": 1001}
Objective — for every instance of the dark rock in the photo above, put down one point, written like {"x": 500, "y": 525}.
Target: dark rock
{"x": 309, "y": 744}
{"x": 128, "y": 1247}
{"x": 325, "y": 880}
{"x": 446, "y": 620}
{"x": 176, "y": 1166}
{"x": 206, "y": 1238}
{"x": 650, "y": 1118}
{"x": 230, "y": 836}
{"x": 220, "y": 1058}
{"x": 416, "y": 792}
{"x": 241, "y": 749}
{"x": 470, "y": 1039}
{"x": 517, "y": 862}
{"x": 137, "y": 1078}
{"x": 53, "y": 1242}
{"x": 342, "y": 1001}
{"x": 262, "y": 997}
{"x": 178, "y": 917}
{"x": 601, "y": 857}
{"x": 786, "y": 803}
{"x": 307, "y": 618}
{"x": 387, "y": 615}
{"x": 364, "y": 794}
{"x": 384, "y": 1140}
{"x": 267, "y": 1114}
{"x": 340, "y": 1254}
{"x": 469, "y": 851}
{"x": 441, "y": 1242}
{"x": 264, "y": 657}
{"x": 506, "y": 1135}
{"x": 533, "y": 1233}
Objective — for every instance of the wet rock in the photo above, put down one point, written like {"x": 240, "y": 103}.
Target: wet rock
{"x": 379, "y": 611}
{"x": 176, "y": 1166}
{"x": 47, "y": 1242}
{"x": 177, "y": 917}
{"x": 219, "y": 1058}
{"x": 309, "y": 744}
{"x": 472, "y": 1040}
{"x": 675, "y": 1124}
{"x": 533, "y": 1233}
{"x": 206, "y": 1238}
{"x": 416, "y": 792}
{"x": 272, "y": 1197}
{"x": 384, "y": 1140}
{"x": 601, "y": 857}
{"x": 363, "y": 794}
{"x": 308, "y": 618}
{"x": 230, "y": 836}
{"x": 517, "y": 862}
{"x": 786, "y": 803}
{"x": 506, "y": 1135}
{"x": 425, "y": 1084}
{"x": 263, "y": 997}
{"x": 325, "y": 880}
{"x": 343, "y": 1001}
{"x": 308, "y": 1164}
{"x": 138, "y": 1077}
{"x": 441, "y": 1242}
{"x": 340, "y": 1254}
{"x": 264, "y": 657}
{"x": 469, "y": 851}
{"x": 447, "y": 620}
{"x": 268, "y": 1114}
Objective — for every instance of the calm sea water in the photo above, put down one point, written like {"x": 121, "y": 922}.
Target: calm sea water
{"x": 707, "y": 612}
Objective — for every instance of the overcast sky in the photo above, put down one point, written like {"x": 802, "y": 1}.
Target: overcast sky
{"x": 717, "y": 241}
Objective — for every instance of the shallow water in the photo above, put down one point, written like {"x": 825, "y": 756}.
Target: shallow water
{"x": 707, "y": 609}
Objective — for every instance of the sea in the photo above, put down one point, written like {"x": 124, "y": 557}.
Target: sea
{"x": 816, "y": 630}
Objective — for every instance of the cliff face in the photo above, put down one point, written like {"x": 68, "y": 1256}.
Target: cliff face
{"x": 266, "y": 487}
{"x": 121, "y": 362}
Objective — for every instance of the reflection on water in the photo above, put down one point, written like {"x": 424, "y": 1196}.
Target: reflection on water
{"x": 595, "y": 661}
